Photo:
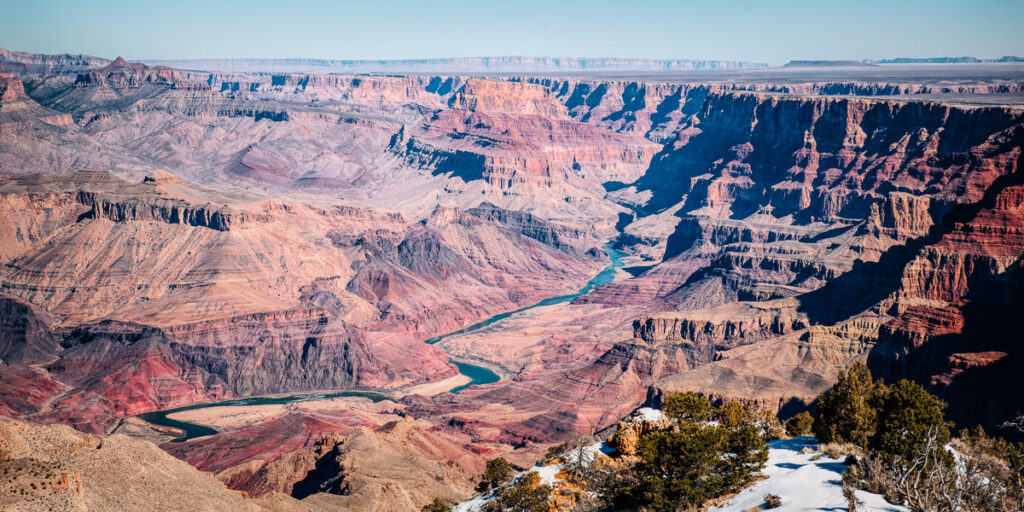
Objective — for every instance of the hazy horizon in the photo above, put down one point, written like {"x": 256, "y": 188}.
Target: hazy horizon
{"x": 750, "y": 31}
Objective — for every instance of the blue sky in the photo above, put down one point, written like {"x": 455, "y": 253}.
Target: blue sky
{"x": 762, "y": 31}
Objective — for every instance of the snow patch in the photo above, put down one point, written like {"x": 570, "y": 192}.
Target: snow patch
{"x": 476, "y": 503}
{"x": 802, "y": 483}
{"x": 547, "y": 473}
{"x": 649, "y": 415}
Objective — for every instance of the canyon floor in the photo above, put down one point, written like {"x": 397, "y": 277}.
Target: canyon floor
{"x": 174, "y": 238}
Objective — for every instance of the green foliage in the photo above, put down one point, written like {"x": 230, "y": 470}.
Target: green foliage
{"x": 689, "y": 464}
{"x": 688, "y": 406}
{"x": 736, "y": 414}
{"x": 800, "y": 425}
{"x": 892, "y": 420}
{"x": 847, "y": 412}
{"x": 679, "y": 467}
{"x": 554, "y": 453}
{"x": 906, "y": 438}
{"x": 497, "y": 471}
{"x": 438, "y": 505}
{"x": 906, "y": 415}
{"x": 526, "y": 495}
{"x": 745, "y": 455}
{"x": 771, "y": 427}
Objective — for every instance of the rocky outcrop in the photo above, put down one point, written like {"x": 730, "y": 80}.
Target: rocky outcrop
{"x": 724, "y": 327}
{"x": 954, "y": 310}
{"x": 19, "y": 113}
{"x": 34, "y": 63}
{"x": 507, "y": 98}
{"x": 24, "y": 332}
{"x": 400, "y": 466}
{"x": 11, "y": 89}
{"x": 121, "y": 74}
{"x": 57, "y": 468}
{"x": 170, "y": 212}
{"x": 563, "y": 237}
{"x": 628, "y": 431}
{"x": 511, "y": 133}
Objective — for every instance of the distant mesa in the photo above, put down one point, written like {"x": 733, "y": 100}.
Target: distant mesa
{"x": 897, "y": 60}
{"x": 32, "y": 63}
{"x": 120, "y": 64}
{"x": 508, "y": 64}
{"x": 826, "y": 63}
{"x": 948, "y": 60}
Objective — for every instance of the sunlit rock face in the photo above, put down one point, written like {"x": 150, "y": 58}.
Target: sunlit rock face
{"x": 177, "y": 237}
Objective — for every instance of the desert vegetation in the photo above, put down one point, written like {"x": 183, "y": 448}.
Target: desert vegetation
{"x": 438, "y": 505}
{"x": 695, "y": 454}
{"x": 893, "y": 437}
{"x": 899, "y": 445}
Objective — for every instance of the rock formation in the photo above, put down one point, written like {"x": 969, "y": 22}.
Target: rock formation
{"x": 56, "y": 468}
{"x": 311, "y": 297}
{"x": 465, "y": 65}
{"x": 34, "y": 63}
{"x": 170, "y": 238}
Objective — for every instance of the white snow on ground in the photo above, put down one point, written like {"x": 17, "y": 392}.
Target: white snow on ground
{"x": 802, "y": 483}
{"x": 476, "y": 503}
{"x": 547, "y": 473}
{"x": 589, "y": 453}
{"x": 649, "y": 414}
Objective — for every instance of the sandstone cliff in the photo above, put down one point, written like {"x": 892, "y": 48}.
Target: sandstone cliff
{"x": 283, "y": 296}
{"x": 514, "y": 133}
{"x": 311, "y": 230}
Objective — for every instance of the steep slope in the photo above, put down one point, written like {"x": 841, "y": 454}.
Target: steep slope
{"x": 57, "y": 468}
{"x": 775, "y": 233}
{"x": 954, "y": 311}
{"x": 279, "y": 296}
{"x": 507, "y": 132}
{"x": 400, "y": 466}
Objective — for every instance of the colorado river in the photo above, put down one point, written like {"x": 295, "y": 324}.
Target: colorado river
{"x": 481, "y": 375}
{"x": 193, "y": 430}
{"x": 477, "y": 374}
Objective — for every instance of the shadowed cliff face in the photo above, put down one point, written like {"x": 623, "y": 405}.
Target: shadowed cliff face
{"x": 513, "y": 133}
{"x": 853, "y": 207}
{"x": 310, "y": 231}
{"x": 955, "y": 307}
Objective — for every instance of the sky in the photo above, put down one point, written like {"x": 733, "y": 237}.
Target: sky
{"x": 769, "y": 31}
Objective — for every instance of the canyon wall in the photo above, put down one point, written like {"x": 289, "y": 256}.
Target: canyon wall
{"x": 277, "y": 297}
{"x": 172, "y": 237}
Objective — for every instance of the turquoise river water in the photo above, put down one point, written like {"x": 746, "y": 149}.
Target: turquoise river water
{"x": 477, "y": 374}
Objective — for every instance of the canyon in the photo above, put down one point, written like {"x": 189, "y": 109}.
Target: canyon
{"x": 348, "y": 244}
